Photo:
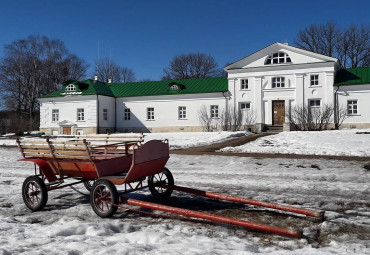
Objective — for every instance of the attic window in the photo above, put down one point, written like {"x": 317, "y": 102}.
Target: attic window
{"x": 70, "y": 88}
{"x": 174, "y": 87}
{"x": 278, "y": 58}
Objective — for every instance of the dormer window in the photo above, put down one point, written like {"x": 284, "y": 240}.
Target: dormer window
{"x": 174, "y": 87}
{"x": 70, "y": 88}
{"x": 278, "y": 58}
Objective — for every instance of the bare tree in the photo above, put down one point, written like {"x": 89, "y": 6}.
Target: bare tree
{"x": 358, "y": 45}
{"x": 107, "y": 70}
{"x": 231, "y": 118}
{"x": 310, "y": 118}
{"x": 33, "y": 67}
{"x": 351, "y": 46}
{"x": 206, "y": 121}
{"x": 249, "y": 120}
{"x": 192, "y": 65}
{"x": 342, "y": 115}
{"x": 321, "y": 39}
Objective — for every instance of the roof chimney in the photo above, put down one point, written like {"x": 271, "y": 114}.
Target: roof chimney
{"x": 109, "y": 80}
{"x": 95, "y": 78}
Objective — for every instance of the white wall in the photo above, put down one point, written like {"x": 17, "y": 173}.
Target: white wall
{"x": 165, "y": 109}
{"x": 109, "y": 104}
{"x": 297, "y": 90}
{"x": 68, "y": 110}
{"x": 361, "y": 93}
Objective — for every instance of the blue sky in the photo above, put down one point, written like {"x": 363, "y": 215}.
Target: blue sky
{"x": 145, "y": 35}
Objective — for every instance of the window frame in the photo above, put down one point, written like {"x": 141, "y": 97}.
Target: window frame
{"x": 150, "y": 113}
{"x": 244, "y": 108}
{"x": 105, "y": 114}
{"x": 314, "y": 100}
{"x": 352, "y": 105}
{"x": 214, "y": 112}
{"x": 54, "y": 115}
{"x": 278, "y": 82}
{"x": 279, "y": 57}
{"x": 181, "y": 112}
{"x": 314, "y": 78}
{"x": 244, "y": 84}
{"x": 127, "y": 114}
{"x": 80, "y": 114}
{"x": 70, "y": 88}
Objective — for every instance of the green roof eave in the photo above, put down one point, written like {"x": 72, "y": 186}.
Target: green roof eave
{"x": 352, "y": 76}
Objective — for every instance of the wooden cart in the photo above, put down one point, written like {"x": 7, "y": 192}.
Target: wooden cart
{"x": 102, "y": 163}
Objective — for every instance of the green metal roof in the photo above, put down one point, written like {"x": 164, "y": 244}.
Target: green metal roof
{"x": 352, "y": 76}
{"x": 88, "y": 87}
{"x": 169, "y": 87}
{"x": 146, "y": 88}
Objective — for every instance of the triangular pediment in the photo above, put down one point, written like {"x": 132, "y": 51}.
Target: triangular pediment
{"x": 66, "y": 123}
{"x": 269, "y": 56}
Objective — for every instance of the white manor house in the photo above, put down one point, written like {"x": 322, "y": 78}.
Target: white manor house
{"x": 269, "y": 81}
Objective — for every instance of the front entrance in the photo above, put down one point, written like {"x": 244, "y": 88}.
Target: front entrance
{"x": 66, "y": 130}
{"x": 278, "y": 112}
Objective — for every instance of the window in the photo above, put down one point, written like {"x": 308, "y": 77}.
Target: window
{"x": 214, "y": 111}
{"x": 127, "y": 114}
{"x": 244, "y": 106}
{"x": 278, "y": 82}
{"x": 80, "y": 114}
{"x": 278, "y": 58}
{"x": 150, "y": 113}
{"x": 174, "y": 87}
{"x": 314, "y": 102}
{"x": 70, "y": 88}
{"x": 314, "y": 80}
{"x": 182, "y": 112}
{"x": 352, "y": 107}
{"x": 55, "y": 115}
{"x": 105, "y": 114}
{"x": 244, "y": 84}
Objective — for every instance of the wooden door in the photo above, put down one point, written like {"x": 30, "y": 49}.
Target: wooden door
{"x": 66, "y": 130}
{"x": 278, "y": 112}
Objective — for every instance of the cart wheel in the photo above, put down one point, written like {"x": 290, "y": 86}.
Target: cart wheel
{"x": 88, "y": 184}
{"x": 164, "y": 177}
{"x": 102, "y": 195}
{"x": 34, "y": 193}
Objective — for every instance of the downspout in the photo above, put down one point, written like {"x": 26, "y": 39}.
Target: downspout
{"x": 115, "y": 114}
{"x": 336, "y": 110}
{"x": 97, "y": 121}
{"x": 226, "y": 104}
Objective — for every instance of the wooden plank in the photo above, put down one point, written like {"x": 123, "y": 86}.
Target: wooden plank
{"x": 71, "y": 157}
{"x": 33, "y": 142}
{"x": 36, "y": 151}
{"x": 66, "y": 152}
{"x": 34, "y": 147}
{"x": 127, "y": 135}
{"x": 67, "y": 143}
{"x": 38, "y": 155}
{"x": 75, "y": 148}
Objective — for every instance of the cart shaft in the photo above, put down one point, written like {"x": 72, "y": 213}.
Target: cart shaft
{"x": 212, "y": 217}
{"x": 310, "y": 213}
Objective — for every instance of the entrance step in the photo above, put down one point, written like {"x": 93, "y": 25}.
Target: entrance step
{"x": 273, "y": 128}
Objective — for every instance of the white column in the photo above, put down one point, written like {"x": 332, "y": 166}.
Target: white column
{"x": 299, "y": 89}
{"x": 258, "y": 106}
{"x": 328, "y": 97}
